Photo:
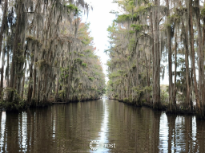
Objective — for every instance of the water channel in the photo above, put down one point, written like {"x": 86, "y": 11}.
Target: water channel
{"x": 99, "y": 126}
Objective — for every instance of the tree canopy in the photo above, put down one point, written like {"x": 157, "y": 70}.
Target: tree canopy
{"x": 148, "y": 37}
{"x": 47, "y": 53}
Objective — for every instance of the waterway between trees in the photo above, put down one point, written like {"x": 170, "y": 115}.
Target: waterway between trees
{"x": 99, "y": 126}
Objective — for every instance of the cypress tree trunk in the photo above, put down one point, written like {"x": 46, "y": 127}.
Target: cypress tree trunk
{"x": 3, "y": 28}
{"x": 4, "y": 23}
{"x": 175, "y": 70}
{"x": 7, "y": 68}
{"x": 201, "y": 60}
{"x": 156, "y": 60}
{"x": 191, "y": 30}
{"x": 152, "y": 35}
{"x": 202, "y": 54}
{"x": 188, "y": 100}
{"x": 22, "y": 90}
{"x": 148, "y": 78}
{"x": 171, "y": 102}
{"x": 30, "y": 86}
{"x": 12, "y": 82}
{"x": 2, "y": 70}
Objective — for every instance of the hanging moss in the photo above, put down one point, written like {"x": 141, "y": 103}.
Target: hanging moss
{"x": 86, "y": 41}
{"x": 131, "y": 32}
{"x": 137, "y": 27}
{"x": 72, "y": 7}
{"x": 123, "y": 18}
{"x": 42, "y": 64}
{"x": 50, "y": 52}
{"x": 203, "y": 12}
{"x": 84, "y": 64}
{"x": 88, "y": 51}
{"x": 61, "y": 93}
{"x": 174, "y": 18}
{"x": 113, "y": 75}
{"x": 78, "y": 60}
{"x": 81, "y": 55}
{"x": 32, "y": 39}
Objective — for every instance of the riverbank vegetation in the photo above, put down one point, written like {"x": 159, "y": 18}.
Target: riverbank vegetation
{"x": 47, "y": 53}
{"x": 149, "y": 37}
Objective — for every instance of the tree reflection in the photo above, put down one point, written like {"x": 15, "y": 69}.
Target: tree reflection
{"x": 69, "y": 128}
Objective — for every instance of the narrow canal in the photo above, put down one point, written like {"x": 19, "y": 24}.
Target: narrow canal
{"x": 99, "y": 126}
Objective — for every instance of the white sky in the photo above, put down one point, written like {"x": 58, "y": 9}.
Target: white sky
{"x": 100, "y": 19}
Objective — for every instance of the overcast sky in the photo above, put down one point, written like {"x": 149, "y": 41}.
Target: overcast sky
{"x": 100, "y": 19}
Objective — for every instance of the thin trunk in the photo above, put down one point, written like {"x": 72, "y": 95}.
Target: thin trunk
{"x": 3, "y": 28}
{"x": 2, "y": 70}
{"x": 34, "y": 79}
{"x": 30, "y": 86}
{"x": 39, "y": 89}
{"x": 201, "y": 59}
{"x": 193, "y": 54}
{"x": 152, "y": 35}
{"x": 4, "y": 23}
{"x": 35, "y": 56}
{"x": 175, "y": 70}
{"x": 156, "y": 60}
{"x": 22, "y": 90}
{"x": 148, "y": 79}
{"x": 202, "y": 55}
{"x": 16, "y": 47}
{"x": 188, "y": 100}
{"x": 57, "y": 86}
{"x": 137, "y": 67}
{"x": 171, "y": 102}
{"x": 132, "y": 86}
{"x": 12, "y": 82}
{"x": 7, "y": 72}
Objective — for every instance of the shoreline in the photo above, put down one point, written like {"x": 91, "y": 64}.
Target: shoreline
{"x": 163, "y": 107}
{"x": 13, "y": 107}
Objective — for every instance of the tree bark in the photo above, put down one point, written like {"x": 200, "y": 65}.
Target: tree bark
{"x": 191, "y": 30}
{"x": 188, "y": 100}
{"x": 3, "y": 28}
{"x": 201, "y": 59}
{"x": 175, "y": 70}
{"x": 156, "y": 60}
{"x": 171, "y": 102}
{"x": 2, "y": 71}
{"x": 13, "y": 77}
{"x": 4, "y": 23}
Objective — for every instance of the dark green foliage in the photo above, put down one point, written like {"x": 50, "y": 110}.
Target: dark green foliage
{"x": 72, "y": 7}
{"x": 136, "y": 27}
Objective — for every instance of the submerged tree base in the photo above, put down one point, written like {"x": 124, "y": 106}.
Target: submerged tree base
{"x": 130, "y": 102}
{"x": 23, "y": 105}
{"x": 13, "y": 106}
{"x": 200, "y": 114}
{"x": 169, "y": 109}
{"x": 180, "y": 109}
{"x": 158, "y": 106}
{"x": 60, "y": 101}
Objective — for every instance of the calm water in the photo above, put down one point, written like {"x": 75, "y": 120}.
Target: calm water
{"x": 115, "y": 126}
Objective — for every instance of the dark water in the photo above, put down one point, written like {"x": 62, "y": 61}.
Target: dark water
{"x": 115, "y": 126}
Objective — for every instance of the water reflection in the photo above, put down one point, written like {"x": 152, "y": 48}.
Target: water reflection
{"x": 71, "y": 128}
{"x": 103, "y": 139}
{"x": 3, "y": 123}
{"x": 104, "y": 125}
